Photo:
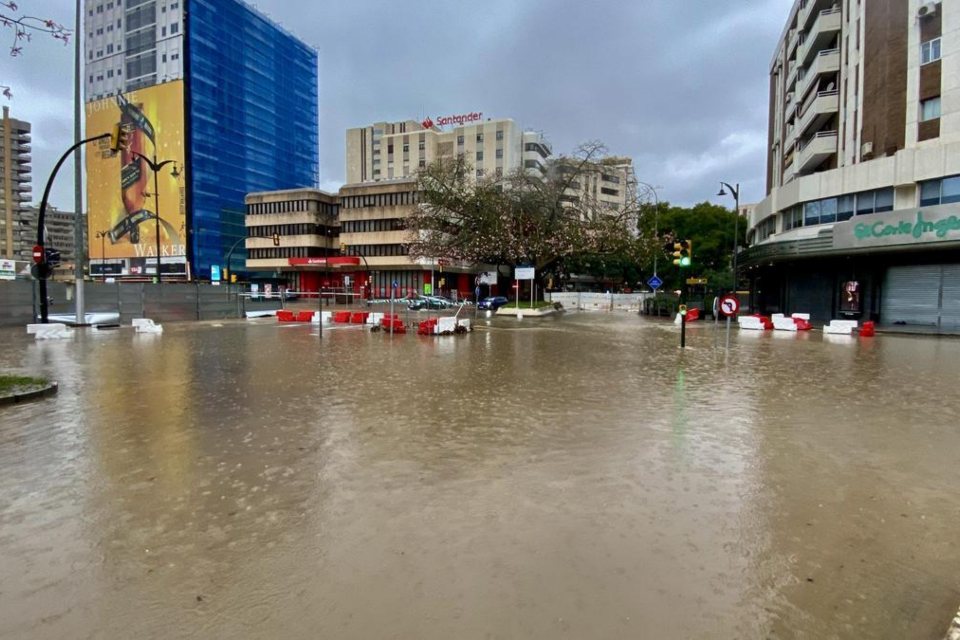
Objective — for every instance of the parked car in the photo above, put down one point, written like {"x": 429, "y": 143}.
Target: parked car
{"x": 426, "y": 302}
{"x": 492, "y": 303}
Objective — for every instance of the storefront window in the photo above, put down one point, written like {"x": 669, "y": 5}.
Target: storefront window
{"x": 844, "y": 208}
{"x": 828, "y": 210}
{"x": 929, "y": 193}
{"x": 884, "y": 200}
{"x": 950, "y": 191}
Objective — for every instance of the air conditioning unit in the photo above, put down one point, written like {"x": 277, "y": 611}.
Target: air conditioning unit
{"x": 866, "y": 149}
{"x": 927, "y": 9}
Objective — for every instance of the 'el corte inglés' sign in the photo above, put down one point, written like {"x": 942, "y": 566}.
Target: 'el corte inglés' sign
{"x": 906, "y": 226}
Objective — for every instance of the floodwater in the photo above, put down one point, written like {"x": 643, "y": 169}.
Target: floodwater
{"x": 576, "y": 477}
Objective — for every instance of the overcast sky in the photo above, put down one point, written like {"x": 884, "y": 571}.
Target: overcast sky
{"x": 678, "y": 85}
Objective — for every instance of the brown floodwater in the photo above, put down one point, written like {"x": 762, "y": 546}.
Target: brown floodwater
{"x": 575, "y": 477}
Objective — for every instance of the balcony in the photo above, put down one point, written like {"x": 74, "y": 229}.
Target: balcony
{"x": 827, "y": 61}
{"x": 824, "y": 30}
{"x": 789, "y": 168}
{"x": 792, "y": 41}
{"x": 791, "y": 74}
{"x": 790, "y": 138}
{"x": 809, "y": 9}
{"x": 821, "y": 107}
{"x": 818, "y": 148}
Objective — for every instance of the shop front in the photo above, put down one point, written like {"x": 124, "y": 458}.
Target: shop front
{"x": 899, "y": 268}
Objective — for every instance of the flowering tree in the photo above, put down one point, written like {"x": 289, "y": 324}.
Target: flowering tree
{"x": 521, "y": 218}
{"x": 23, "y": 27}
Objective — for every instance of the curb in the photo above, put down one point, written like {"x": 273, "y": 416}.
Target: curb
{"x": 953, "y": 633}
{"x": 17, "y": 398}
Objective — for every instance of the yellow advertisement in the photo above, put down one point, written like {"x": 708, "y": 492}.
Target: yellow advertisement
{"x": 127, "y": 189}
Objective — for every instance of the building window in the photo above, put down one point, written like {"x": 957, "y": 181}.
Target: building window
{"x": 423, "y": 164}
{"x": 930, "y": 109}
{"x": 766, "y": 228}
{"x": 793, "y": 218}
{"x": 406, "y": 148}
{"x": 479, "y": 155}
{"x": 499, "y": 153}
{"x": 479, "y": 137}
{"x": 930, "y": 51}
{"x": 174, "y": 28}
{"x": 845, "y": 207}
{"x": 941, "y": 191}
{"x": 459, "y": 139}
{"x": 499, "y": 135}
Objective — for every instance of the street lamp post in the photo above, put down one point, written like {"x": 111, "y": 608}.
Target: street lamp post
{"x": 656, "y": 218}
{"x": 735, "y": 192}
{"x": 103, "y": 253}
{"x": 155, "y": 167}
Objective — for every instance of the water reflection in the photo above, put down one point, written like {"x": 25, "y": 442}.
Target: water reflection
{"x": 579, "y": 476}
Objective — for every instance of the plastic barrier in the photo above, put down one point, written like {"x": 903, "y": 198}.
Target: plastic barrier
{"x": 802, "y": 325}
{"x": 693, "y": 314}
{"x": 359, "y": 317}
{"x": 305, "y": 316}
{"x": 341, "y": 317}
{"x": 841, "y": 327}
{"x": 284, "y": 315}
{"x": 868, "y": 330}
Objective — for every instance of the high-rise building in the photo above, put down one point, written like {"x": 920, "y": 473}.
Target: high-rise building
{"x": 58, "y": 235}
{"x": 219, "y": 101}
{"x": 15, "y": 189}
{"x": 863, "y": 186}
{"x": 397, "y": 150}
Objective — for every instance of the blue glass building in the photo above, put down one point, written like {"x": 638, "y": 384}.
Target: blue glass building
{"x": 251, "y": 122}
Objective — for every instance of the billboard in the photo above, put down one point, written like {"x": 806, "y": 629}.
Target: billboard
{"x": 121, "y": 201}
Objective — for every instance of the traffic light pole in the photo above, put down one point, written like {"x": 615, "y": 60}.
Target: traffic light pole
{"x": 276, "y": 242}
{"x": 44, "y": 267}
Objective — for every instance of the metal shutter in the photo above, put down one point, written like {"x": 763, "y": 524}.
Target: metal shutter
{"x": 950, "y": 300}
{"x": 911, "y": 295}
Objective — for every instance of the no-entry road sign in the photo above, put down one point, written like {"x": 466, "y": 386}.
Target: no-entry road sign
{"x": 729, "y": 306}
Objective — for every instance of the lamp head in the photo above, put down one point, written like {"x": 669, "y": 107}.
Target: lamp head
{"x": 175, "y": 172}
{"x": 721, "y": 192}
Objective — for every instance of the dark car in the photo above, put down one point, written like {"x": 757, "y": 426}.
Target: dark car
{"x": 492, "y": 303}
{"x": 425, "y": 302}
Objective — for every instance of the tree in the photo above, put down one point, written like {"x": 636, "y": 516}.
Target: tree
{"x": 23, "y": 27}
{"x": 710, "y": 228}
{"x": 521, "y": 218}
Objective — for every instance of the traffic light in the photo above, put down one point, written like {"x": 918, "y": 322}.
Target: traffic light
{"x": 119, "y": 139}
{"x": 682, "y": 253}
{"x": 276, "y": 239}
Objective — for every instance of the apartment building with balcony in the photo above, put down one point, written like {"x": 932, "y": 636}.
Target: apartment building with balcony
{"x": 863, "y": 172}
{"x": 16, "y": 234}
{"x": 608, "y": 185}
{"x": 398, "y": 150}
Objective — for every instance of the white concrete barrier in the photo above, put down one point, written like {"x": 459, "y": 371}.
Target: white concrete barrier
{"x": 465, "y": 323}
{"x": 49, "y": 331}
{"x": 146, "y": 325}
{"x": 780, "y": 323}
{"x": 840, "y": 327}
{"x": 374, "y": 318}
{"x": 446, "y": 324}
{"x": 751, "y": 323}
{"x": 801, "y": 316}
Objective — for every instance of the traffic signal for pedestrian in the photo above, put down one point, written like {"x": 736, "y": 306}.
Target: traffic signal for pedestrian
{"x": 276, "y": 239}
{"x": 682, "y": 253}
{"x": 119, "y": 139}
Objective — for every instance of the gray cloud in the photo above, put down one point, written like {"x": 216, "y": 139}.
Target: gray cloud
{"x": 680, "y": 86}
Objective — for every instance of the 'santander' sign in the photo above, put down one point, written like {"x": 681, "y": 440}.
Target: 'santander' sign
{"x": 903, "y": 227}
{"x": 463, "y": 118}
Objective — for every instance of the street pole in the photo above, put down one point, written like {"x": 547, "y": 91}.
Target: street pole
{"x": 41, "y": 221}
{"x": 735, "y": 191}
{"x": 156, "y": 167}
{"x": 79, "y": 252}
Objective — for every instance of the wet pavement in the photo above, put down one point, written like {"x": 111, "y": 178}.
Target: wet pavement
{"x": 568, "y": 477}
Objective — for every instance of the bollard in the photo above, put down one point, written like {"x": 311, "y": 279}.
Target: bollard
{"x": 683, "y": 326}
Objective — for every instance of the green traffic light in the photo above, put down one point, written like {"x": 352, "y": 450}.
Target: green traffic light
{"x": 685, "y": 262}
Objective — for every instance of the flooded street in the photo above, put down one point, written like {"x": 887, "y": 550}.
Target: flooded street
{"x": 575, "y": 477}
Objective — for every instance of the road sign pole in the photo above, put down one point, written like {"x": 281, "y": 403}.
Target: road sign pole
{"x": 728, "y": 332}
{"x": 683, "y": 330}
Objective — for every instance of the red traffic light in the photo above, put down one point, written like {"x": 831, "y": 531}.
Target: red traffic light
{"x": 37, "y": 253}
